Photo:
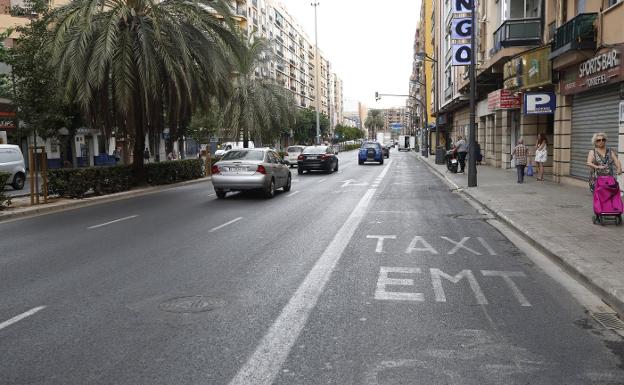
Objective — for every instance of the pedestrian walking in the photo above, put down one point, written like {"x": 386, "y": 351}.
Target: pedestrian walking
{"x": 541, "y": 154}
{"x": 520, "y": 154}
{"x": 602, "y": 160}
{"x": 462, "y": 151}
{"x": 146, "y": 155}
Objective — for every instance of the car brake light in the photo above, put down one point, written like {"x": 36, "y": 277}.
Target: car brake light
{"x": 300, "y": 157}
{"x": 215, "y": 169}
{"x": 325, "y": 156}
{"x": 261, "y": 169}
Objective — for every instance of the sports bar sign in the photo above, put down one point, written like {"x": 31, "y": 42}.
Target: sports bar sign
{"x": 604, "y": 68}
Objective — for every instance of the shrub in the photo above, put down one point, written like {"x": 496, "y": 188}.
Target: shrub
{"x": 174, "y": 171}
{"x": 76, "y": 182}
{"x": 5, "y": 200}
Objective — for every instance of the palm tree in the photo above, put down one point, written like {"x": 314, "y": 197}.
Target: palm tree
{"x": 131, "y": 65}
{"x": 374, "y": 121}
{"x": 258, "y": 107}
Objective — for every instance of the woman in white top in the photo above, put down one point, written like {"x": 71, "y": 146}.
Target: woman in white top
{"x": 541, "y": 153}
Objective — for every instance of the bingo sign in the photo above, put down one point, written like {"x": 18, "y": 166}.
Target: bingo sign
{"x": 461, "y": 30}
{"x": 536, "y": 103}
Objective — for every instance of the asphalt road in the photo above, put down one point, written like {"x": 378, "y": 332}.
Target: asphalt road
{"x": 373, "y": 275}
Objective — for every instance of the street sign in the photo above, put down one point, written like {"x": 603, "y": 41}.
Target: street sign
{"x": 539, "y": 103}
{"x": 214, "y": 140}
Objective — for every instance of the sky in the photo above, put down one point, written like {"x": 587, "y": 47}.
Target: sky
{"x": 369, "y": 44}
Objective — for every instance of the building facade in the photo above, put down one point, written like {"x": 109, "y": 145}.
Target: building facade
{"x": 543, "y": 67}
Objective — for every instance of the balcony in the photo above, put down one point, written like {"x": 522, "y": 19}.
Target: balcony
{"x": 577, "y": 34}
{"x": 518, "y": 32}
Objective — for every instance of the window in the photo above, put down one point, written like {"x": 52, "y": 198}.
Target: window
{"x": 520, "y": 9}
{"x": 613, "y": 2}
{"x": 244, "y": 155}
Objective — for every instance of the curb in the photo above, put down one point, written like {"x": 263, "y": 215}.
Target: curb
{"x": 72, "y": 204}
{"x": 609, "y": 298}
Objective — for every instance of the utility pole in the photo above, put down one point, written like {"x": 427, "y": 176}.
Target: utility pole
{"x": 317, "y": 76}
{"x": 472, "y": 161}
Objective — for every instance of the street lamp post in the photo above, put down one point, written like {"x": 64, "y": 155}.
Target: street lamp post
{"x": 436, "y": 94}
{"x": 472, "y": 160}
{"x": 317, "y": 75}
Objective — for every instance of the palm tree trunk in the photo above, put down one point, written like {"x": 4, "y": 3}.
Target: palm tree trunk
{"x": 245, "y": 138}
{"x": 139, "y": 136}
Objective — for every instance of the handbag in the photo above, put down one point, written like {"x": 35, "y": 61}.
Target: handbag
{"x": 530, "y": 169}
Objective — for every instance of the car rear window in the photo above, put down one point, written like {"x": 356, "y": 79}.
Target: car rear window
{"x": 244, "y": 155}
{"x": 370, "y": 145}
{"x": 315, "y": 150}
{"x": 295, "y": 149}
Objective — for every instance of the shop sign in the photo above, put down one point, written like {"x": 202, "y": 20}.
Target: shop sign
{"x": 536, "y": 103}
{"x": 602, "y": 69}
{"x": 503, "y": 100}
{"x": 529, "y": 70}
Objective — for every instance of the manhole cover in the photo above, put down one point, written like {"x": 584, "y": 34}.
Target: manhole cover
{"x": 609, "y": 320}
{"x": 193, "y": 304}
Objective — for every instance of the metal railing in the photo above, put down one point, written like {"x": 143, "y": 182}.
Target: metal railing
{"x": 577, "y": 33}
{"x": 518, "y": 32}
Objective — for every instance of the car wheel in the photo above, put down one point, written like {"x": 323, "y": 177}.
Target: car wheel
{"x": 221, "y": 194}
{"x": 18, "y": 181}
{"x": 288, "y": 184}
{"x": 336, "y": 168}
{"x": 299, "y": 170}
{"x": 269, "y": 192}
{"x": 381, "y": 161}
{"x": 360, "y": 162}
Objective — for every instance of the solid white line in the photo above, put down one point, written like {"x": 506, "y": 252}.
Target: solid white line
{"x": 292, "y": 193}
{"x": 264, "y": 364}
{"x": 20, "y": 317}
{"x": 225, "y": 224}
{"x": 111, "y": 222}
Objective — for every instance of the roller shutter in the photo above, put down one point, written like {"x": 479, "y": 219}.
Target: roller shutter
{"x": 592, "y": 111}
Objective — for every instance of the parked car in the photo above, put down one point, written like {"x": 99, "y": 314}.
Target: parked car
{"x": 317, "y": 158}
{"x": 370, "y": 152}
{"x": 12, "y": 162}
{"x": 251, "y": 169}
{"x": 293, "y": 154}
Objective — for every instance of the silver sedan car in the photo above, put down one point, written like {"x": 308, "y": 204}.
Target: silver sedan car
{"x": 251, "y": 169}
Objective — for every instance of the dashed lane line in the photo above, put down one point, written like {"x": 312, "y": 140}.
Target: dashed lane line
{"x": 111, "y": 222}
{"x": 20, "y": 317}
{"x": 225, "y": 224}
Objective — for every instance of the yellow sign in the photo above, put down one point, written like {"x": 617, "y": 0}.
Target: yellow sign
{"x": 528, "y": 70}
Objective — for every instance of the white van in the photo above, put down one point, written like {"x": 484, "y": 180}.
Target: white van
{"x": 12, "y": 162}
{"x": 227, "y": 146}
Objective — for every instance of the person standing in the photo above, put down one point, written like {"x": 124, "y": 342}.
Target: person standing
{"x": 602, "y": 160}
{"x": 520, "y": 154}
{"x": 541, "y": 154}
{"x": 462, "y": 151}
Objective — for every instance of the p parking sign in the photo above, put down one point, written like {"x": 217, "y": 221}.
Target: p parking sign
{"x": 536, "y": 103}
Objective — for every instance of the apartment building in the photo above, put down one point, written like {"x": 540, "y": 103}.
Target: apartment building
{"x": 529, "y": 53}
{"x": 396, "y": 119}
{"x": 296, "y": 66}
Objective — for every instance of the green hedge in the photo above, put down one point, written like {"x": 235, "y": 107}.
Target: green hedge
{"x": 5, "y": 200}
{"x": 349, "y": 147}
{"x": 76, "y": 182}
{"x": 174, "y": 171}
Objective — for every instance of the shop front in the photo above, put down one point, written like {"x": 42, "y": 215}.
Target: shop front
{"x": 529, "y": 76}
{"x": 596, "y": 89}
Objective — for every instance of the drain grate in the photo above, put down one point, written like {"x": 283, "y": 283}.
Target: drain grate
{"x": 609, "y": 320}
{"x": 193, "y": 304}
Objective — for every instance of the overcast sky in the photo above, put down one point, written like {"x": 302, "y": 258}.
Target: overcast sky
{"x": 368, "y": 42}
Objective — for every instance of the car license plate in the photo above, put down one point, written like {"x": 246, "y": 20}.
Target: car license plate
{"x": 453, "y": 161}
{"x": 311, "y": 157}
{"x": 237, "y": 169}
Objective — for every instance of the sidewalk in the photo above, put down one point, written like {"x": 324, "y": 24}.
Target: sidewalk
{"x": 555, "y": 218}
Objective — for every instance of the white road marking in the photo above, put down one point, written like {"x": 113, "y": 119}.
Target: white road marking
{"x": 486, "y": 246}
{"x": 20, "y": 317}
{"x": 264, "y": 364}
{"x": 437, "y": 274}
{"x": 382, "y": 294}
{"x": 111, "y": 222}
{"x": 322, "y": 180}
{"x": 225, "y": 224}
{"x": 505, "y": 275}
{"x": 292, "y": 193}
{"x": 380, "y": 241}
